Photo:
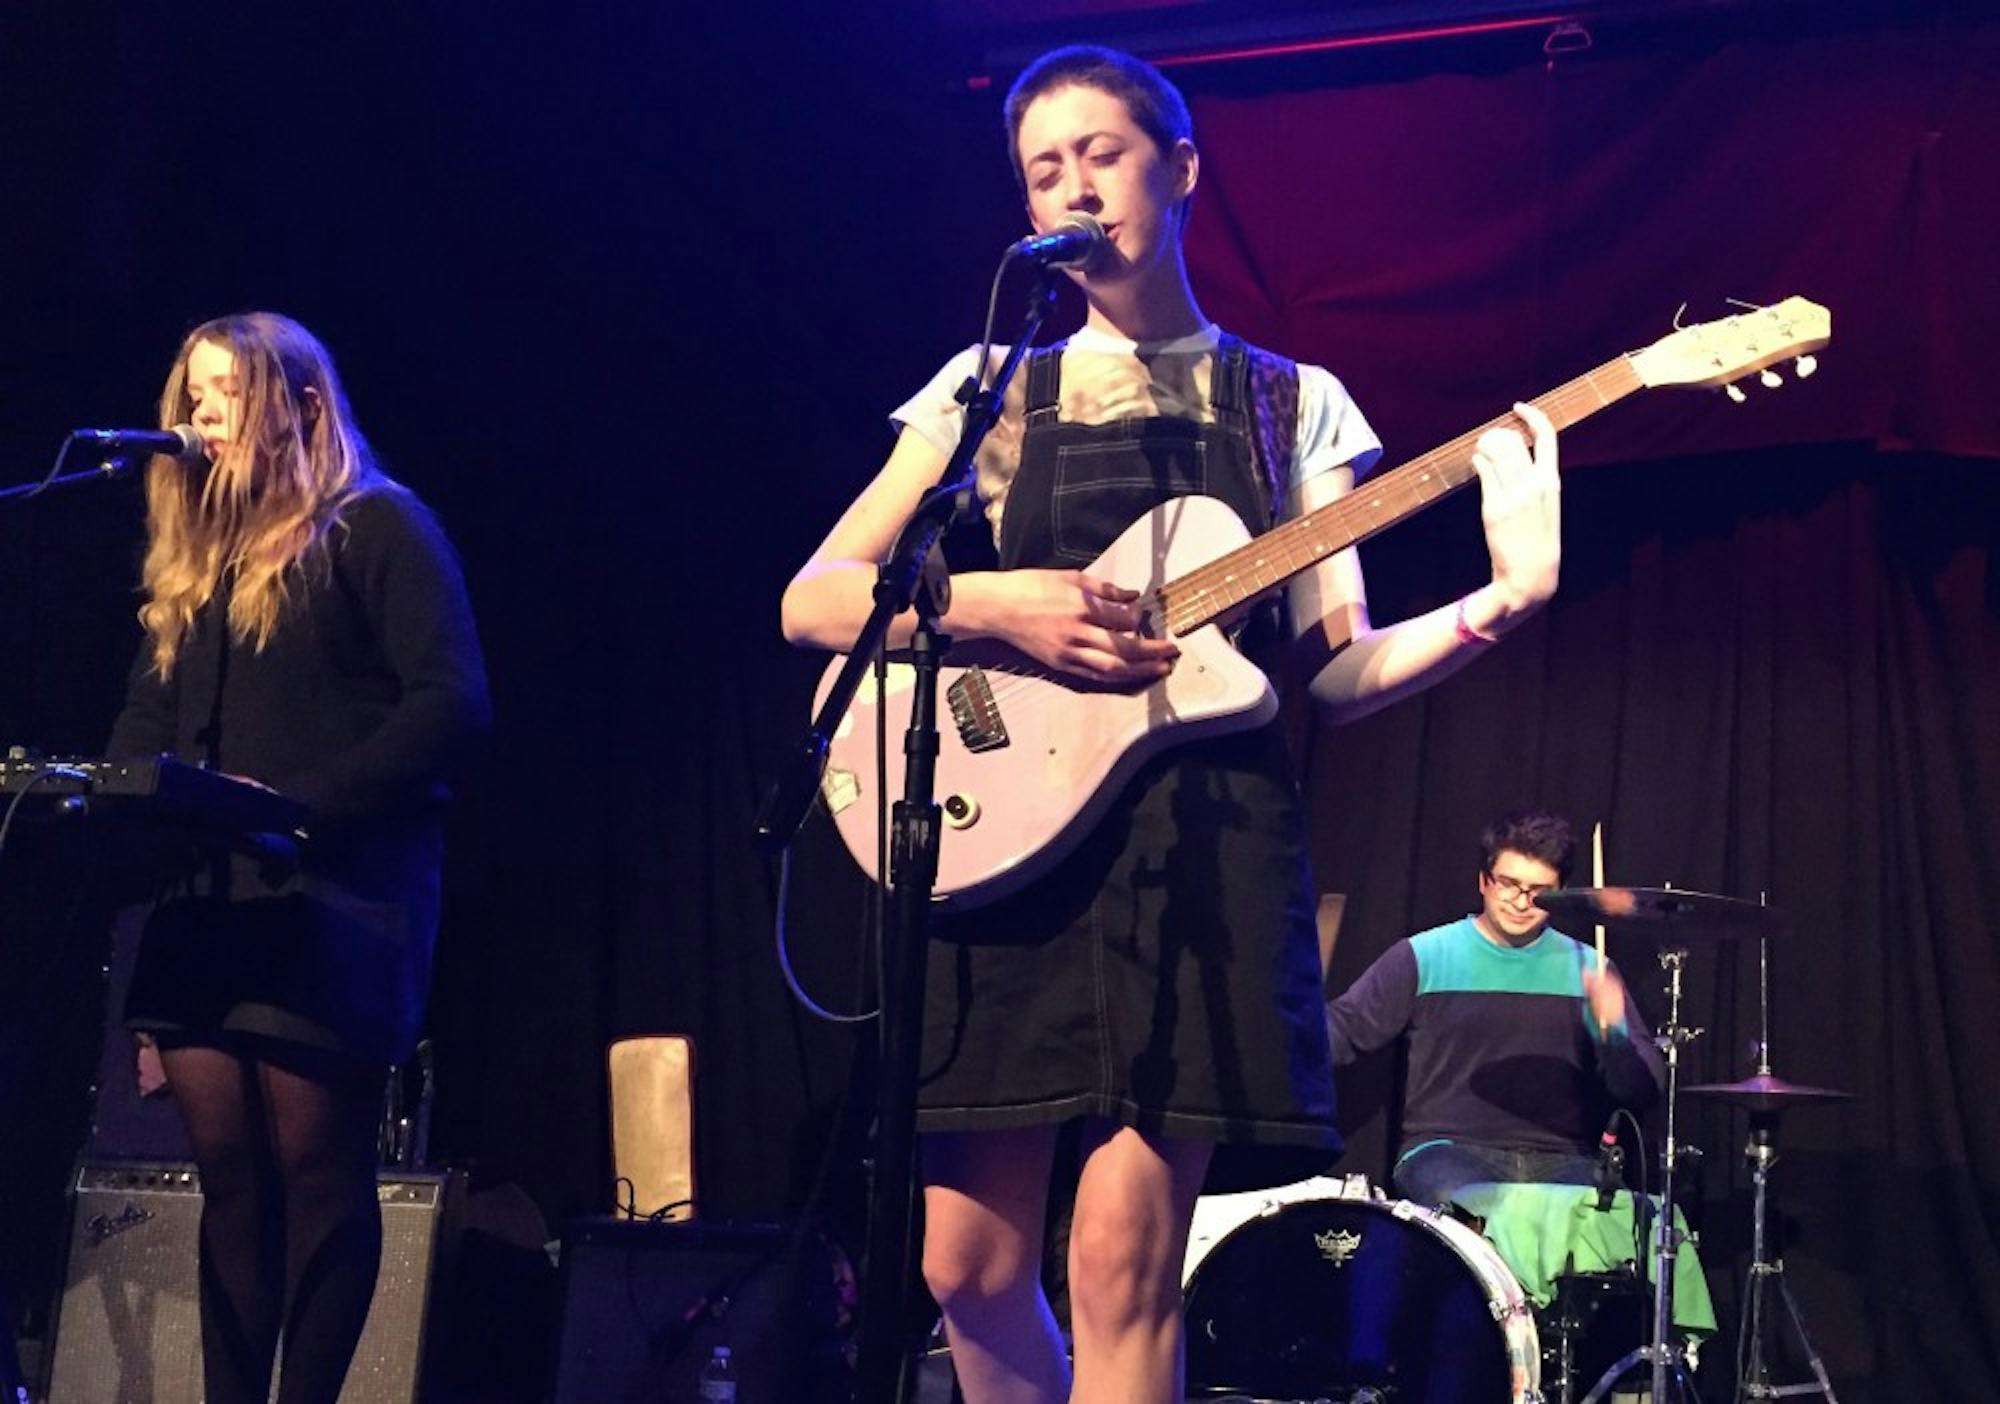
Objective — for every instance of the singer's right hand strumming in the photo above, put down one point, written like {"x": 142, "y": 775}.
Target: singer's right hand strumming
{"x": 1065, "y": 619}
{"x": 1076, "y": 624}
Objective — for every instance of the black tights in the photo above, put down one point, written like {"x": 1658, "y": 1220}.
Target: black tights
{"x": 291, "y": 1230}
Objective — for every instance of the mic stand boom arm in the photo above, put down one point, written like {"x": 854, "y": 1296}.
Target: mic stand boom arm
{"x": 907, "y": 579}
{"x": 115, "y": 465}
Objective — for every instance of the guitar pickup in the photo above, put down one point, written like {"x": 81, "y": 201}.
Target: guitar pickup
{"x": 976, "y": 712}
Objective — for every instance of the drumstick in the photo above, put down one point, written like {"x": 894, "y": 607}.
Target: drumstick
{"x": 1597, "y": 880}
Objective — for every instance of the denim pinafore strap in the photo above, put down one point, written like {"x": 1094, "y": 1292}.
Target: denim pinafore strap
{"x": 1079, "y": 485}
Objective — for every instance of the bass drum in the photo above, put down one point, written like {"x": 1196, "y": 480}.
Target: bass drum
{"x": 1315, "y": 1292}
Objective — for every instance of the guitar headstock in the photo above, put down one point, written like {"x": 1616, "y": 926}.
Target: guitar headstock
{"x": 1717, "y": 353}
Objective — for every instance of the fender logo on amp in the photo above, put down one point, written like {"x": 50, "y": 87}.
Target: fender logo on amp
{"x": 101, "y": 1228}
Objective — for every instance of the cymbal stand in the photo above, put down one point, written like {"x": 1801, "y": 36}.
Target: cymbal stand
{"x": 1753, "y": 1376}
{"x": 1668, "y": 1366}
{"x": 1753, "y": 1371}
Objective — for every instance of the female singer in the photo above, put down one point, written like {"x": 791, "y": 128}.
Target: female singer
{"x": 306, "y": 629}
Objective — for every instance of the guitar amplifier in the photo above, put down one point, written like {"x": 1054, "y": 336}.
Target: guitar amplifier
{"x": 128, "y": 1322}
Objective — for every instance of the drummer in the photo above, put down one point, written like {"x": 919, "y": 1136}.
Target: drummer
{"x": 1521, "y": 1047}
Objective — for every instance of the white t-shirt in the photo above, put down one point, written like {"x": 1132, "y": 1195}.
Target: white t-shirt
{"x": 1108, "y": 378}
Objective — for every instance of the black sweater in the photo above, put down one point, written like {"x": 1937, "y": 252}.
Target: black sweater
{"x": 369, "y": 692}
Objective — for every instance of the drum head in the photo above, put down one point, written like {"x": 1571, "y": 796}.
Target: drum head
{"x": 1327, "y": 1297}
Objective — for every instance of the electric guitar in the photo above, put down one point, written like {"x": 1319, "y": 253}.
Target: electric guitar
{"x": 1028, "y": 758}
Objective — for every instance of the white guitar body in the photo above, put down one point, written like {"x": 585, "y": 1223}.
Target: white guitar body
{"x": 1011, "y": 811}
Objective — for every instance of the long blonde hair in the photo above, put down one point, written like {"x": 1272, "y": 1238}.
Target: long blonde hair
{"x": 263, "y": 509}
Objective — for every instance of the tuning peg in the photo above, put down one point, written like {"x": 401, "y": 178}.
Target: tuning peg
{"x": 1735, "y": 392}
{"x": 1771, "y": 379}
{"x": 1805, "y": 365}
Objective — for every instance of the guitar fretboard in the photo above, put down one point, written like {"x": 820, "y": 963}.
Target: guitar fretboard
{"x": 1192, "y": 600}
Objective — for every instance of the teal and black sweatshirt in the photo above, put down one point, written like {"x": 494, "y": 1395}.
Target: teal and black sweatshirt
{"x": 1503, "y": 1051}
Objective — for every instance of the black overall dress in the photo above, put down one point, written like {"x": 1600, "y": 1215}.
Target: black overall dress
{"x": 1166, "y": 974}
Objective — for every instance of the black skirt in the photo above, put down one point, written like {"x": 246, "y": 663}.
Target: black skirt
{"x": 334, "y": 956}
{"x": 1164, "y": 976}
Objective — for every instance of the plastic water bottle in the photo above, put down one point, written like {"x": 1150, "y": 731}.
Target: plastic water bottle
{"x": 718, "y": 1378}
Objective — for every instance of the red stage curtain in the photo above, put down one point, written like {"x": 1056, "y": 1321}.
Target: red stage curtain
{"x": 1449, "y": 242}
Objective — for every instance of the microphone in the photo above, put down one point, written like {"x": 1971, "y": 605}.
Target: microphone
{"x": 179, "y": 442}
{"x": 1073, "y": 243}
{"x": 1610, "y": 1172}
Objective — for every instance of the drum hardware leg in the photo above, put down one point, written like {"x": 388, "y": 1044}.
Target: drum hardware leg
{"x": 1580, "y": 1300}
{"x": 1754, "y": 1372}
{"x": 1667, "y": 1368}
{"x": 1569, "y": 1322}
{"x": 1566, "y": 1369}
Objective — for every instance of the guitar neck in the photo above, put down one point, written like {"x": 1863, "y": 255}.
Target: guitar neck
{"x": 1194, "y": 599}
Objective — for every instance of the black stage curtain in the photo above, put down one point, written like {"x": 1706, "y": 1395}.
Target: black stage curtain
{"x": 625, "y": 296}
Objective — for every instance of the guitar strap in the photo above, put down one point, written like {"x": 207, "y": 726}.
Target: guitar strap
{"x": 1274, "y": 420}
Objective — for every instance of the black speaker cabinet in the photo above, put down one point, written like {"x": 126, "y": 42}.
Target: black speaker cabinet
{"x": 645, "y": 1304}
{"x": 128, "y": 1326}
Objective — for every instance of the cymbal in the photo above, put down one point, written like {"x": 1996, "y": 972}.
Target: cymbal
{"x": 1663, "y": 913}
{"x": 1766, "y": 1092}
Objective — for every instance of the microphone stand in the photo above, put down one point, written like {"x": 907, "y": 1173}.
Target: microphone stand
{"x": 13, "y": 1383}
{"x": 914, "y": 576}
{"x": 115, "y": 465}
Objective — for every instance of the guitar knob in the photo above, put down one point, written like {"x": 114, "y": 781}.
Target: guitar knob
{"x": 1771, "y": 379}
{"x": 1805, "y": 365}
{"x": 1735, "y": 392}
{"x": 960, "y": 811}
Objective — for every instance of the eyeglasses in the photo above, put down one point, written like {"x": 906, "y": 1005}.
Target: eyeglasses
{"x": 1511, "y": 888}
